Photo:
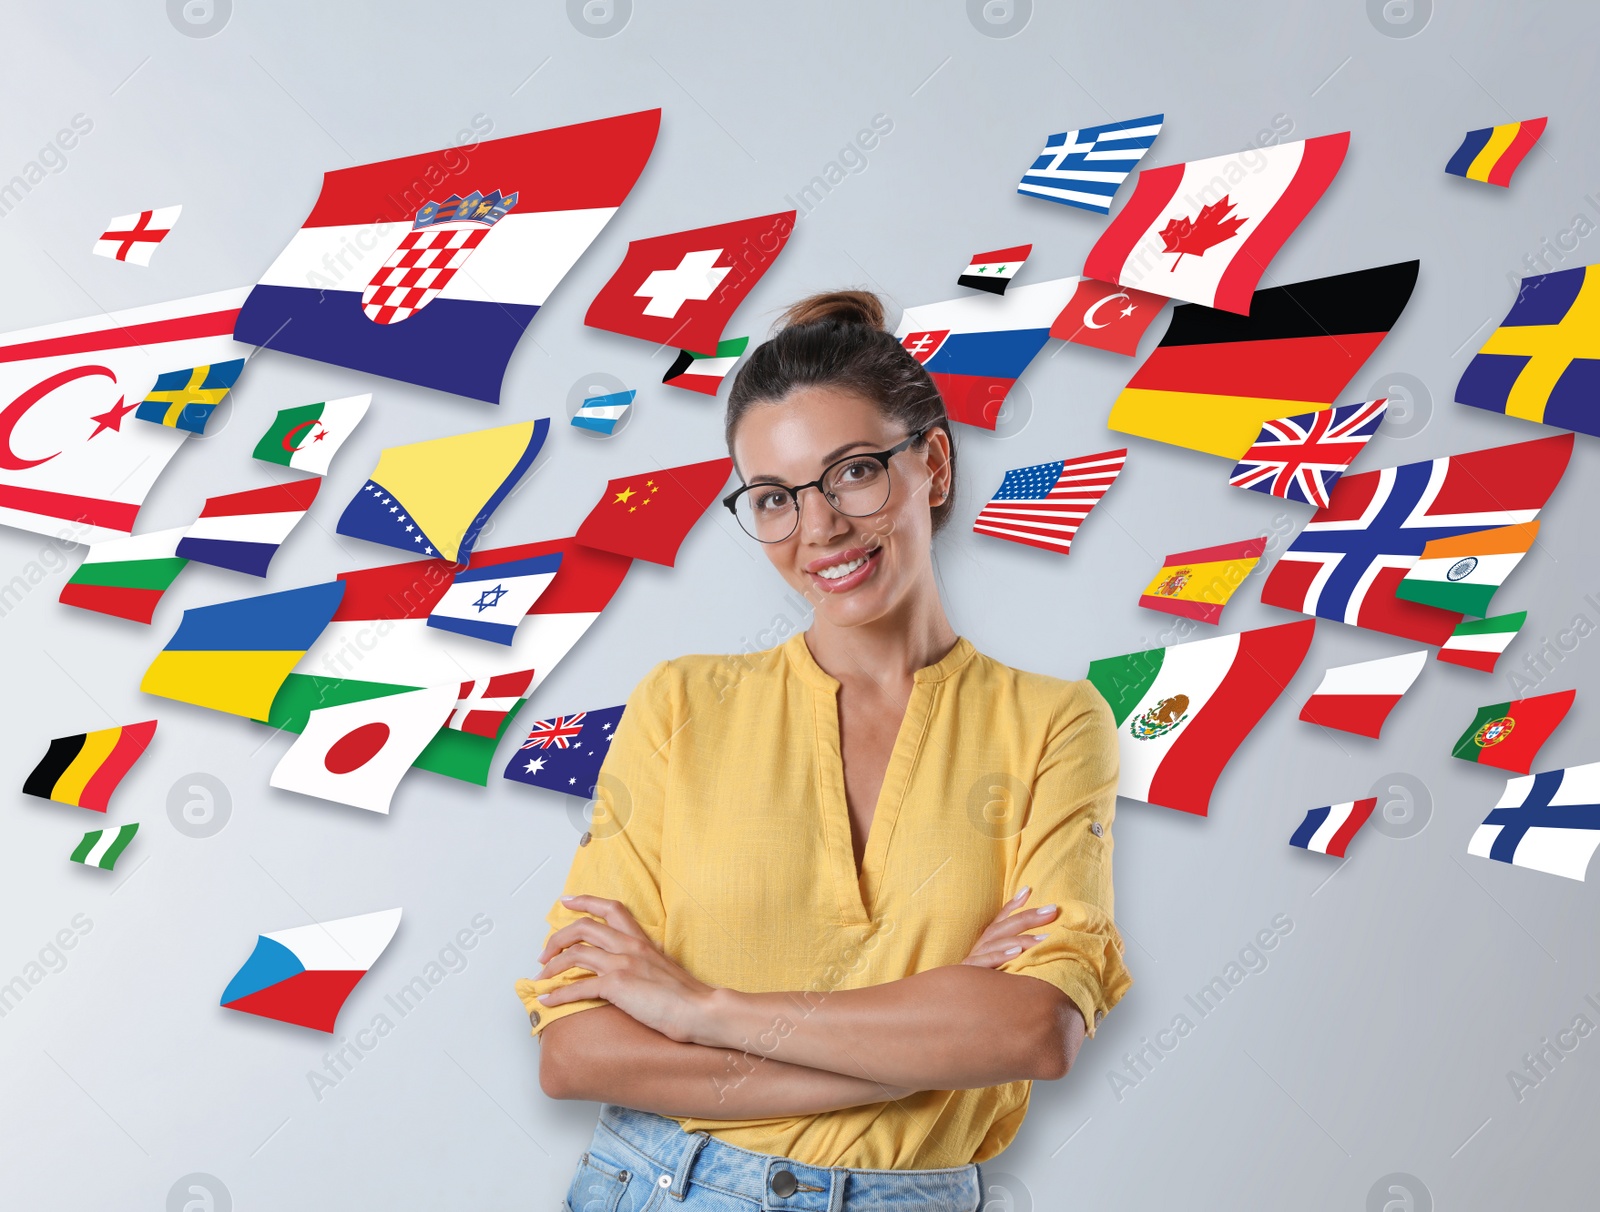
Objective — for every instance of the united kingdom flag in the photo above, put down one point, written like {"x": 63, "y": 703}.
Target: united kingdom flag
{"x": 559, "y": 732}
{"x": 1347, "y": 561}
{"x": 1301, "y": 458}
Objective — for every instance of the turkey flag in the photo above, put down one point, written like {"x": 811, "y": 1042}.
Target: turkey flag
{"x": 1106, "y": 316}
{"x": 679, "y": 290}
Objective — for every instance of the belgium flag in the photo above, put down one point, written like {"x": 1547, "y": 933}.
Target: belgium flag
{"x": 85, "y": 769}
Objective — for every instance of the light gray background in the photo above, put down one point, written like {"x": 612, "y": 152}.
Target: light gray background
{"x": 1378, "y": 1037}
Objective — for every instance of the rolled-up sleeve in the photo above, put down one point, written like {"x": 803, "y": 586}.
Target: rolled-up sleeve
{"x": 1064, "y": 855}
{"x": 619, "y": 858}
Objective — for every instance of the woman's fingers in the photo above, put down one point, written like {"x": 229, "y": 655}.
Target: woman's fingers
{"x": 992, "y": 956}
{"x": 1015, "y": 902}
{"x": 614, "y": 913}
{"x": 587, "y": 930}
{"x": 589, "y": 959}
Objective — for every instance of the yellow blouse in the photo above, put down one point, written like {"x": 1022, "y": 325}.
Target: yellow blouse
{"x": 721, "y": 822}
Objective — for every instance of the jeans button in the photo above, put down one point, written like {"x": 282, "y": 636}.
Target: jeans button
{"x": 784, "y": 1184}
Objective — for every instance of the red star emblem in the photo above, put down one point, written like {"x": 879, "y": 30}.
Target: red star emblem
{"x": 112, "y": 417}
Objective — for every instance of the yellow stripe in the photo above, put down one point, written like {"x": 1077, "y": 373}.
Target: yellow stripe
{"x": 1483, "y": 163}
{"x": 174, "y": 411}
{"x": 1213, "y": 582}
{"x": 241, "y": 683}
{"x": 1502, "y": 540}
{"x": 97, "y": 746}
{"x": 1550, "y": 349}
{"x": 1219, "y": 425}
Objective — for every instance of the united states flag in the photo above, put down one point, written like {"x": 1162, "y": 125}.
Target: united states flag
{"x": 1085, "y": 167}
{"x": 1301, "y": 458}
{"x": 1044, "y": 505}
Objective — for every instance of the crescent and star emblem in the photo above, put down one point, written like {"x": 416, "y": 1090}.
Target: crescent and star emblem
{"x": 1088, "y": 316}
{"x": 291, "y": 440}
{"x": 13, "y": 413}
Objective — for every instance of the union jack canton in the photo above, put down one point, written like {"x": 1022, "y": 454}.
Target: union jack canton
{"x": 1301, "y": 458}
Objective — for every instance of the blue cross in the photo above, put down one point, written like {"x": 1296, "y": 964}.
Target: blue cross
{"x": 1536, "y": 812}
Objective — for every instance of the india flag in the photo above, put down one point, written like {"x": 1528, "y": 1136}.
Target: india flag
{"x": 1181, "y": 712}
{"x": 306, "y": 438}
{"x": 1462, "y": 572}
{"x": 126, "y": 577}
{"x": 103, "y": 847}
{"x": 1478, "y": 643}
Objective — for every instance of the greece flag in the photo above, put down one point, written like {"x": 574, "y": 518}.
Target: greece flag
{"x": 487, "y": 603}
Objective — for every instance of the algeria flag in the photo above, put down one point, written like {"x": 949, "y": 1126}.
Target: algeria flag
{"x": 307, "y": 438}
{"x": 1182, "y": 711}
{"x": 357, "y": 753}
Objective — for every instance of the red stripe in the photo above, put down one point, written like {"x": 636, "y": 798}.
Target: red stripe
{"x": 972, "y": 399}
{"x": 113, "y": 515}
{"x": 483, "y": 723}
{"x": 156, "y": 332}
{"x": 1151, "y": 192}
{"x": 1527, "y": 135}
{"x": 132, "y": 741}
{"x": 1291, "y": 369}
{"x": 1204, "y": 612}
{"x": 591, "y": 164}
{"x": 1382, "y": 611}
{"x": 1359, "y": 813}
{"x": 120, "y": 601}
{"x": 1524, "y": 475}
{"x": 509, "y": 685}
{"x": 1362, "y": 714}
{"x": 1319, "y": 163}
{"x": 1246, "y": 549}
{"x": 293, "y": 497}
{"x": 308, "y": 999}
{"x": 1267, "y": 659}
{"x": 1472, "y": 658}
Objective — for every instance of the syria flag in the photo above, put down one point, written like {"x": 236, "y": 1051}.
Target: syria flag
{"x": 1107, "y": 317}
{"x": 680, "y": 289}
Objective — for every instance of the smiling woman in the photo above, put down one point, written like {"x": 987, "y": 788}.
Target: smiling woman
{"x": 834, "y": 917}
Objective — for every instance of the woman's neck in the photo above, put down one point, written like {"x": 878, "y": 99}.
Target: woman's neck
{"x": 887, "y": 651}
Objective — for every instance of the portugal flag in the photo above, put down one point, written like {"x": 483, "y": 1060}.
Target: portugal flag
{"x": 1508, "y": 735}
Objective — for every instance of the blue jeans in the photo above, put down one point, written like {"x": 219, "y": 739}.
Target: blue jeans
{"x": 640, "y": 1161}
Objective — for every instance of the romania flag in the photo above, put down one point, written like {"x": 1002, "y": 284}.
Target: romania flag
{"x": 185, "y": 399}
{"x": 85, "y": 769}
{"x": 1493, "y": 153}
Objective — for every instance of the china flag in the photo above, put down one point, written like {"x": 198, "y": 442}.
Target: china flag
{"x": 647, "y": 516}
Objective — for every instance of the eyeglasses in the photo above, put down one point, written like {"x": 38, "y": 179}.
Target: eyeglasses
{"x": 856, "y": 486}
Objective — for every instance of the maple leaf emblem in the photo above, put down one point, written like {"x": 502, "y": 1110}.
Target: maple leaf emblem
{"x": 1212, "y": 226}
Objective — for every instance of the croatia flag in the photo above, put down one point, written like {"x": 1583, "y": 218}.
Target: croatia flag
{"x": 428, "y": 268}
{"x": 244, "y": 530}
{"x": 304, "y": 975}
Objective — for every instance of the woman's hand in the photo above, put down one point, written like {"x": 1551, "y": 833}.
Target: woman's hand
{"x": 629, "y": 970}
{"x": 1004, "y": 938}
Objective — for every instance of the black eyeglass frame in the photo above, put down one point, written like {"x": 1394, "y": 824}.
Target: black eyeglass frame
{"x": 794, "y": 490}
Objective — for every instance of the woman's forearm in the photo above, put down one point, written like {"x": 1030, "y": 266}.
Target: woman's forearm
{"x": 603, "y": 1055}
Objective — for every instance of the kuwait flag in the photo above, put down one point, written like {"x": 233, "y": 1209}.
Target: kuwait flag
{"x": 1478, "y": 643}
{"x": 1461, "y": 572}
{"x": 304, "y": 975}
{"x": 1508, "y": 735}
{"x": 126, "y": 577}
{"x": 1181, "y": 712}
{"x": 698, "y": 372}
{"x": 1329, "y": 830}
{"x": 244, "y": 530}
{"x": 307, "y": 438}
{"x": 1358, "y": 698}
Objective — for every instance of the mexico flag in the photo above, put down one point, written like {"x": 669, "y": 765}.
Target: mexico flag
{"x": 307, "y": 438}
{"x": 1182, "y": 711}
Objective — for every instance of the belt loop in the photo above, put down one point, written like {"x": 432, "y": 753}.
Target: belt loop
{"x": 838, "y": 1178}
{"x": 680, "y": 1179}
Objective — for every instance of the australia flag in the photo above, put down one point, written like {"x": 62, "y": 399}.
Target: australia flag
{"x": 564, "y": 753}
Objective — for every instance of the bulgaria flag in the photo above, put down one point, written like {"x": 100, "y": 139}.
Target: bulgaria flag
{"x": 307, "y": 438}
{"x": 1461, "y": 573}
{"x": 1182, "y": 711}
{"x": 1478, "y": 643}
{"x": 1358, "y": 698}
{"x": 1508, "y": 735}
{"x": 702, "y": 373}
{"x": 126, "y": 577}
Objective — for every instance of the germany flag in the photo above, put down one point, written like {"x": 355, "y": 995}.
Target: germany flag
{"x": 85, "y": 769}
{"x": 1216, "y": 376}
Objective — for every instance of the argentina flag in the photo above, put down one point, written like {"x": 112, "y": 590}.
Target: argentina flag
{"x": 1085, "y": 167}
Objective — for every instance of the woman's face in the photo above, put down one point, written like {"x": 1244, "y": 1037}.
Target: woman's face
{"x": 854, "y": 570}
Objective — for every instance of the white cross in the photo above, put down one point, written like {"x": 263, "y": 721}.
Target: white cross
{"x": 696, "y": 277}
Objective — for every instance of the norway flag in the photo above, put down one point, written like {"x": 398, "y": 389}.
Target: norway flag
{"x": 428, "y": 268}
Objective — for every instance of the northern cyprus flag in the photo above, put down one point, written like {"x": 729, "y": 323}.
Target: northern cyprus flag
{"x": 1181, "y": 712}
{"x": 307, "y": 438}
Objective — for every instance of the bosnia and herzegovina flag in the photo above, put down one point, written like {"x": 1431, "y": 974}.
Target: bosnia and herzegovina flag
{"x": 1492, "y": 154}
{"x": 1216, "y": 376}
{"x": 84, "y": 769}
{"x": 1543, "y": 362}
{"x": 428, "y": 268}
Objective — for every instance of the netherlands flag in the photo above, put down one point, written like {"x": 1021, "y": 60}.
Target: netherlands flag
{"x": 428, "y": 268}
{"x": 244, "y": 530}
{"x": 1329, "y": 830}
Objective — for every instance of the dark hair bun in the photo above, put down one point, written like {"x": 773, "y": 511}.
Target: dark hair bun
{"x": 842, "y": 306}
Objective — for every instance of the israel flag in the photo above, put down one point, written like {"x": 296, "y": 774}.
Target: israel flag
{"x": 487, "y": 603}
{"x": 1085, "y": 167}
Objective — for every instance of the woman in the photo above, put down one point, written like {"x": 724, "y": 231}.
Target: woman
{"x": 782, "y": 926}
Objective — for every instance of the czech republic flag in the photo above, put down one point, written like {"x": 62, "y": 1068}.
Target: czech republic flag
{"x": 303, "y": 975}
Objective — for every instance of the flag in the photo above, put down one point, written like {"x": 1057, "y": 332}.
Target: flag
{"x": 85, "y": 768}
{"x": 304, "y": 975}
{"x": 488, "y": 603}
{"x": 1462, "y": 573}
{"x": 234, "y": 656}
{"x": 1492, "y": 154}
{"x": 1085, "y": 167}
{"x": 485, "y": 705}
{"x": 697, "y": 372}
{"x": 244, "y": 530}
{"x": 126, "y": 577}
{"x": 1329, "y": 830}
{"x": 975, "y": 347}
{"x": 1543, "y": 362}
{"x": 306, "y": 438}
{"x": 471, "y": 241}
{"x": 1044, "y": 505}
{"x": 1215, "y": 378}
{"x": 565, "y": 753}
{"x": 357, "y": 753}
{"x": 103, "y": 847}
{"x": 133, "y": 238}
{"x": 1478, "y": 643}
{"x": 1347, "y": 561}
{"x": 1301, "y": 458}
{"x": 433, "y": 498}
{"x": 1508, "y": 735}
{"x": 624, "y": 523}
{"x": 1197, "y": 584}
{"x": 379, "y": 642}
{"x": 185, "y": 399}
{"x": 1182, "y": 711}
{"x": 1106, "y": 317}
{"x": 70, "y": 464}
{"x": 1548, "y": 821}
{"x": 1228, "y": 216}
{"x": 681, "y": 289}
{"x": 992, "y": 271}
{"x": 601, "y": 413}
{"x": 1358, "y": 698}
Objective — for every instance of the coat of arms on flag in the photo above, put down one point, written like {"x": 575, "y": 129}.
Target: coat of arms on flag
{"x": 1301, "y": 458}
{"x": 441, "y": 238}
{"x": 1508, "y": 735}
{"x": 1197, "y": 584}
{"x": 1548, "y": 821}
